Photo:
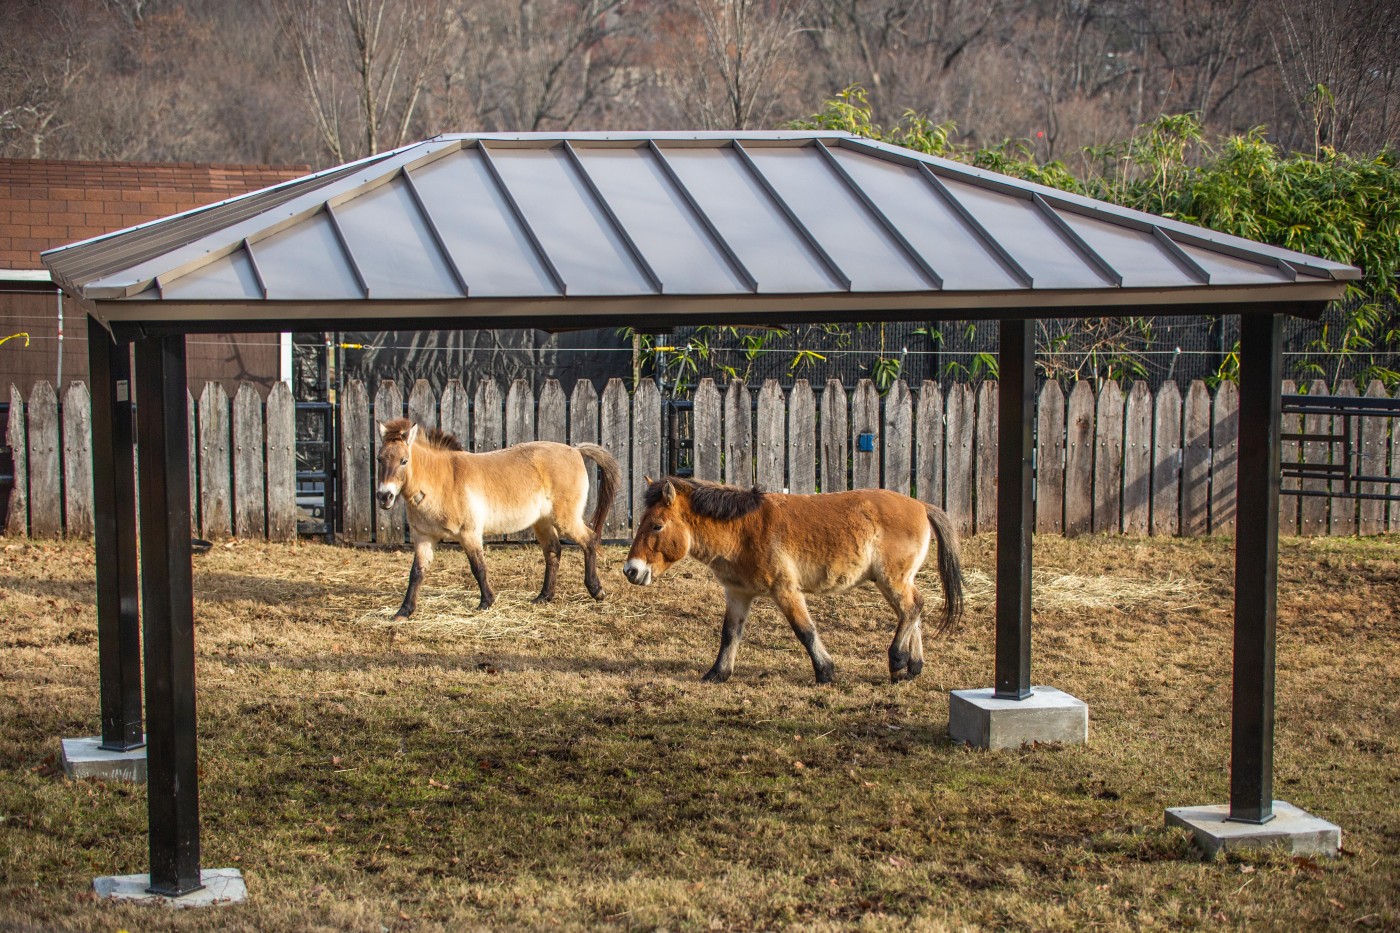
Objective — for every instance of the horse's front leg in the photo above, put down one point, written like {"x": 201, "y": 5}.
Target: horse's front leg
{"x": 794, "y": 607}
{"x": 422, "y": 559}
{"x": 736, "y": 613}
{"x": 476, "y": 557}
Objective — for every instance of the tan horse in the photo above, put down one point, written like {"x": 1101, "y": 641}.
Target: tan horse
{"x": 785, "y": 547}
{"x": 454, "y": 494}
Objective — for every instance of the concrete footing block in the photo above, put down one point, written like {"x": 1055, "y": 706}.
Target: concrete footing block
{"x": 1047, "y": 715}
{"x": 221, "y": 886}
{"x": 1295, "y": 831}
{"x": 84, "y": 758}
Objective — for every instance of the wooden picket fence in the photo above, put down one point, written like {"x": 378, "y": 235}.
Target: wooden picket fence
{"x": 1108, "y": 462}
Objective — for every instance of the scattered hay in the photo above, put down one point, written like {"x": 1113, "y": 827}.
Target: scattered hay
{"x": 1053, "y": 590}
{"x": 452, "y": 611}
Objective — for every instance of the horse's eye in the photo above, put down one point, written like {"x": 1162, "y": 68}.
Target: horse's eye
{"x": 403, "y": 462}
{"x": 657, "y": 526}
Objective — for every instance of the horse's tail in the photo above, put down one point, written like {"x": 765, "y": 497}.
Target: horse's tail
{"x": 949, "y": 566}
{"x": 609, "y": 478}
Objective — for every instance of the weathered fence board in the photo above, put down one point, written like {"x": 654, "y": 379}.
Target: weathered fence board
{"x": 646, "y": 440}
{"x": 1050, "y": 460}
{"x": 195, "y": 475}
{"x": 489, "y": 423}
{"x": 738, "y": 435}
{"x": 356, "y": 476}
{"x": 1395, "y": 469}
{"x": 422, "y": 404}
{"x": 928, "y": 444}
{"x": 770, "y": 444}
{"x": 802, "y": 439}
{"x": 960, "y": 428}
{"x": 1166, "y": 461}
{"x": 1224, "y": 457}
{"x": 617, "y": 440}
{"x": 1288, "y": 456}
{"x": 391, "y": 526}
{"x": 456, "y": 412}
{"x": 1373, "y": 463}
{"x": 281, "y": 464}
{"x": 1137, "y": 460}
{"x": 77, "y": 461}
{"x": 865, "y": 420}
{"x": 898, "y": 428}
{"x": 1195, "y": 461}
{"x": 1079, "y": 460}
{"x": 1342, "y": 520}
{"x": 708, "y": 425}
{"x": 552, "y": 419}
{"x": 834, "y": 437}
{"x": 215, "y": 478}
{"x": 985, "y": 507}
{"x": 249, "y": 468}
{"x": 520, "y": 413}
{"x": 1108, "y": 460}
{"x": 17, "y": 440}
{"x": 1314, "y": 508}
{"x": 583, "y": 429}
{"x": 45, "y": 470}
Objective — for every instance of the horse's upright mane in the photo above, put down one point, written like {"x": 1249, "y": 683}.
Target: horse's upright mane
{"x": 397, "y": 430}
{"x": 710, "y": 500}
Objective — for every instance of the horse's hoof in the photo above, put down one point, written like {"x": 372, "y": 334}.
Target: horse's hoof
{"x": 399, "y": 618}
{"x": 826, "y": 676}
{"x": 485, "y": 603}
{"x": 598, "y": 593}
{"x": 715, "y": 676}
{"x": 915, "y": 669}
{"x": 543, "y": 598}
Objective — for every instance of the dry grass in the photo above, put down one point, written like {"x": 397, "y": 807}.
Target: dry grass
{"x": 561, "y": 765}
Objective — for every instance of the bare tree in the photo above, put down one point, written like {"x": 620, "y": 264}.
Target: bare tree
{"x": 44, "y": 61}
{"x": 737, "y": 61}
{"x": 1340, "y": 64}
{"x": 364, "y": 64}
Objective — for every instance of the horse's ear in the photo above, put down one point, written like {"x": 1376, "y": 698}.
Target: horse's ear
{"x": 668, "y": 492}
{"x": 646, "y": 478}
{"x": 412, "y": 434}
{"x": 382, "y": 430}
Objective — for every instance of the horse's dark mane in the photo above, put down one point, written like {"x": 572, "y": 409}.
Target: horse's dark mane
{"x": 710, "y": 500}
{"x": 397, "y": 430}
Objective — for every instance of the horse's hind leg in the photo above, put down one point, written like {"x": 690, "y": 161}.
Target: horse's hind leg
{"x": 907, "y": 647}
{"x": 794, "y": 607}
{"x": 548, "y": 538}
{"x": 586, "y": 539}
{"x": 736, "y": 612}
{"x": 476, "y": 559}
{"x": 422, "y": 558}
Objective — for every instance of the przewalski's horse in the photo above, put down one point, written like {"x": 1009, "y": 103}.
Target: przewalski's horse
{"x": 454, "y": 494}
{"x": 784, "y": 547}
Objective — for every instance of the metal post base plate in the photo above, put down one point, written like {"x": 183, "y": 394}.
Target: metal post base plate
{"x": 85, "y": 758}
{"x": 221, "y": 886}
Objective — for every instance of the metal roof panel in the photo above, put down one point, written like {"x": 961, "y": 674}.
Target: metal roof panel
{"x": 305, "y": 261}
{"x": 1136, "y": 255}
{"x": 574, "y": 231}
{"x": 750, "y": 222}
{"x": 673, "y": 239}
{"x": 229, "y": 278}
{"x": 393, "y": 245}
{"x": 851, "y": 235}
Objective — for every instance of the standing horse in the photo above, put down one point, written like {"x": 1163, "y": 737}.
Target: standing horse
{"x": 784, "y": 547}
{"x": 454, "y": 494}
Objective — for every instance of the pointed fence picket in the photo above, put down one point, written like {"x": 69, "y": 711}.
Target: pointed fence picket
{"x": 1144, "y": 463}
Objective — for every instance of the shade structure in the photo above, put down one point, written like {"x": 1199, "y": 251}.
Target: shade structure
{"x": 651, "y": 230}
{"x": 574, "y": 229}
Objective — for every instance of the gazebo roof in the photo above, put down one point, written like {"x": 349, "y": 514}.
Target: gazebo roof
{"x": 517, "y": 228}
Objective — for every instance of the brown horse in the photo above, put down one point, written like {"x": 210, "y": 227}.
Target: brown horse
{"x": 782, "y": 546}
{"x": 454, "y": 494}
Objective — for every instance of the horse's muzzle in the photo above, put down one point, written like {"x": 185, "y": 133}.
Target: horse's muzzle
{"x": 386, "y": 499}
{"x": 638, "y": 572}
